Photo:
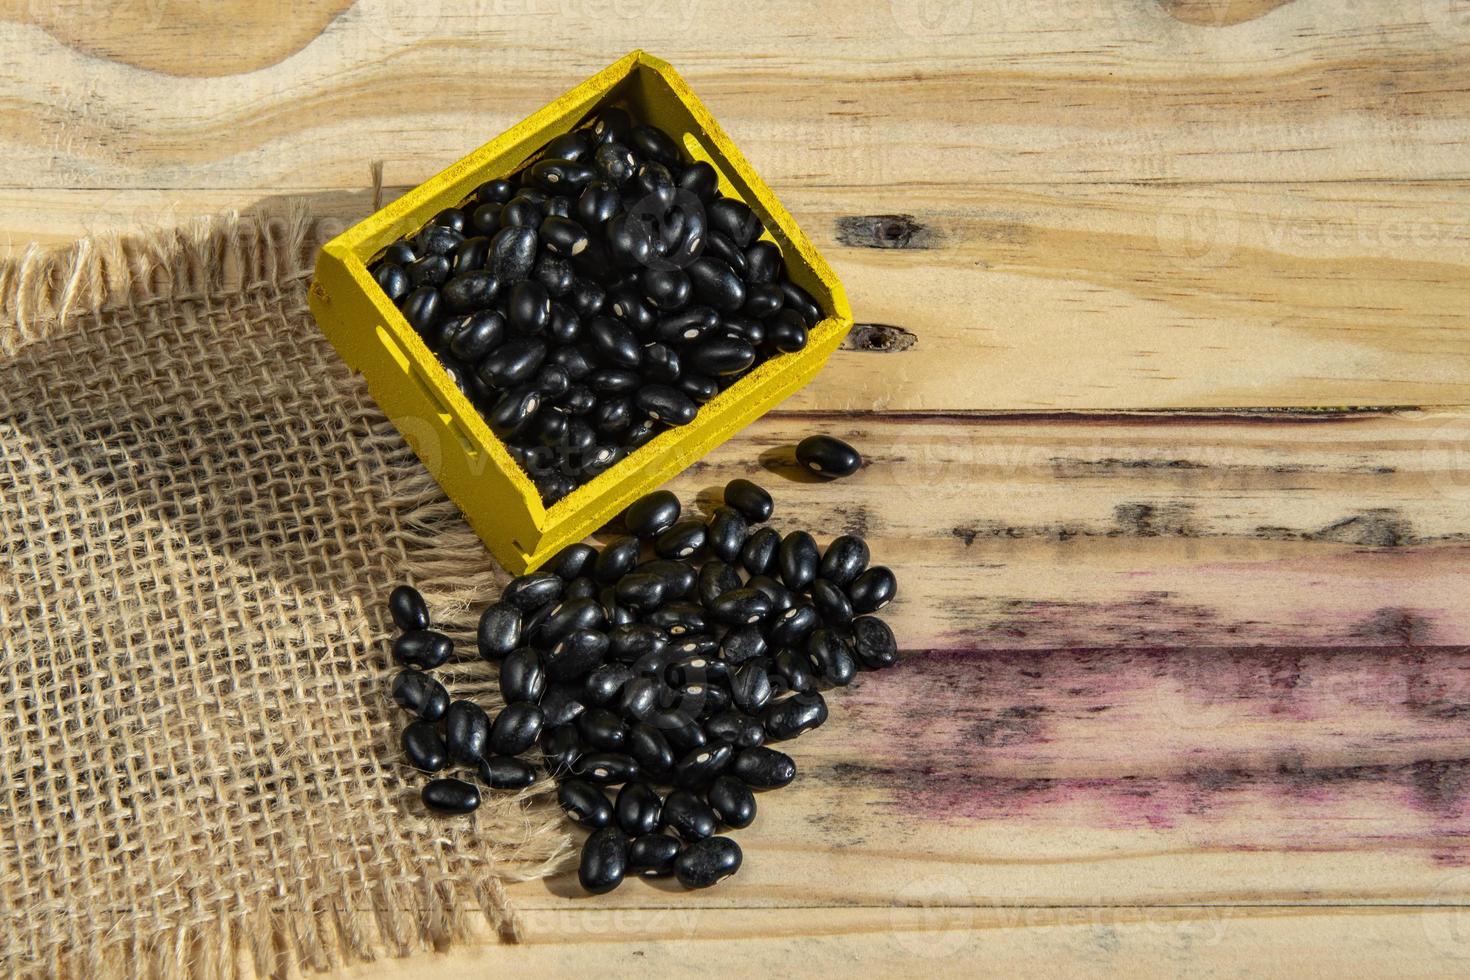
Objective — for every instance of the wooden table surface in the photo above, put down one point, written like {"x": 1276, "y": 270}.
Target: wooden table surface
{"x": 1162, "y": 379}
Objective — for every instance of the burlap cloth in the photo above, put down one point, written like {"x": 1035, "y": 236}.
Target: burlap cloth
{"x": 201, "y": 514}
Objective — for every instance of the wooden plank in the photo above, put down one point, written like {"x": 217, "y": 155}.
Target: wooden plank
{"x": 1220, "y": 296}
{"x": 963, "y": 943}
{"x": 908, "y": 92}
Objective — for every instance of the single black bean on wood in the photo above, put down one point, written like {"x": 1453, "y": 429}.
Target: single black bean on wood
{"x": 707, "y": 862}
{"x": 828, "y": 456}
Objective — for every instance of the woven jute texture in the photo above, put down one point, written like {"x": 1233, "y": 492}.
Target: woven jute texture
{"x": 201, "y": 513}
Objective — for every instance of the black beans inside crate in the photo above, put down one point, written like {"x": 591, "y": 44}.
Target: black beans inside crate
{"x": 595, "y": 298}
{"x": 648, "y": 678}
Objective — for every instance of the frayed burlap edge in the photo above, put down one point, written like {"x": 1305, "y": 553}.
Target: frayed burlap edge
{"x": 44, "y": 291}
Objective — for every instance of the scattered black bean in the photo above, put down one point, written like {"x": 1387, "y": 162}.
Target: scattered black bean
{"x": 408, "y": 609}
{"x": 651, "y": 675}
{"x": 828, "y": 456}
{"x": 450, "y": 796}
{"x": 653, "y": 855}
{"x": 421, "y": 694}
{"x": 423, "y": 746}
{"x": 422, "y": 648}
{"x": 707, "y": 862}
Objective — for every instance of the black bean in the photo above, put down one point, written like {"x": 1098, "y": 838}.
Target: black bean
{"x": 431, "y": 270}
{"x": 422, "y": 648}
{"x": 794, "y": 625}
{"x": 667, "y": 289}
{"x": 561, "y": 176}
{"x": 515, "y": 362}
{"x": 740, "y": 730}
{"x": 798, "y": 560}
{"x": 687, "y": 325}
{"x": 717, "y": 284}
{"x": 750, "y": 687}
{"x": 653, "y": 187}
{"x": 721, "y": 246}
{"x": 499, "y": 631}
{"x": 680, "y": 727}
{"x": 652, "y": 514}
{"x": 422, "y": 309}
{"x": 828, "y": 456}
{"x": 654, "y": 143}
{"x": 873, "y": 589}
{"x": 522, "y": 678}
{"x": 688, "y": 816}
{"x": 707, "y": 862}
{"x": 562, "y": 703}
{"x": 653, "y": 855}
{"x": 831, "y": 602}
{"x": 762, "y": 301}
{"x": 585, "y": 804}
{"x": 683, "y": 540}
{"x": 715, "y": 579}
{"x": 530, "y": 307}
{"x": 781, "y": 597}
{"x": 629, "y": 243}
{"x": 437, "y": 239}
{"x": 609, "y": 381}
{"x": 530, "y": 592}
{"x": 514, "y": 410}
{"x": 628, "y": 306}
{"x": 794, "y": 716}
{"x": 678, "y": 618}
{"x": 699, "y": 766}
{"x": 560, "y": 748}
{"x": 727, "y": 532}
{"x": 478, "y": 335}
{"x": 469, "y": 291}
{"x": 521, "y": 212}
{"x": 568, "y": 616}
{"x": 628, "y": 643}
{"x": 604, "y": 860}
{"x": 651, "y": 750}
{"x": 513, "y": 253}
{"x": 740, "y": 607}
{"x": 399, "y": 253}
{"x": 785, "y": 332}
{"x": 794, "y": 667}
{"x": 572, "y": 561}
{"x": 731, "y": 217}
{"x": 423, "y": 746}
{"x": 638, "y": 809}
{"x": 466, "y": 731}
{"x": 762, "y": 263}
{"x": 450, "y": 796}
{"x": 599, "y": 202}
{"x": 485, "y": 219}
{"x": 393, "y": 280}
{"x": 763, "y": 768}
{"x": 604, "y": 684}
{"x": 741, "y": 644}
{"x": 844, "y": 560}
{"x": 832, "y": 657}
{"x": 732, "y": 801}
{"x": 759, "y": 554}
{"x": 408, "y": 608}
{"x": 602, "y": 729}
{"x": 664, "y": 404}
{"x": 606, "y": 768}
{"x": 873, "y": 642}
{"x": 506, "y": 772}
{"x": 750, "y": 499}
{"x": 587, "y": 298}
{"x": 800, "y": 300}
{"x": 552, "y": 381}
{"x": 576, "y": 654}
{"x": 423, "y": 695}
{"x": 617, "y": 559}
{"x": 641, "y": 590}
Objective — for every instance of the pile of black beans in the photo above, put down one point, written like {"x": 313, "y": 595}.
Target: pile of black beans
{"x": 596, "y": 298}
{"x": 662, "y": 665}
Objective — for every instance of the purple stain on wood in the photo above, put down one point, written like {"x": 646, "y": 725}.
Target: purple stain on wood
{"x": 1244, "y": 748}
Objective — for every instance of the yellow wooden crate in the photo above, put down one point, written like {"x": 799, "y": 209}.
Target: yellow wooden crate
{"x": 440, "y": 423}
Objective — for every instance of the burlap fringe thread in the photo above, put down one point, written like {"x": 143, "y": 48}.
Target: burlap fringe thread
{"x": 44, "y": 293}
